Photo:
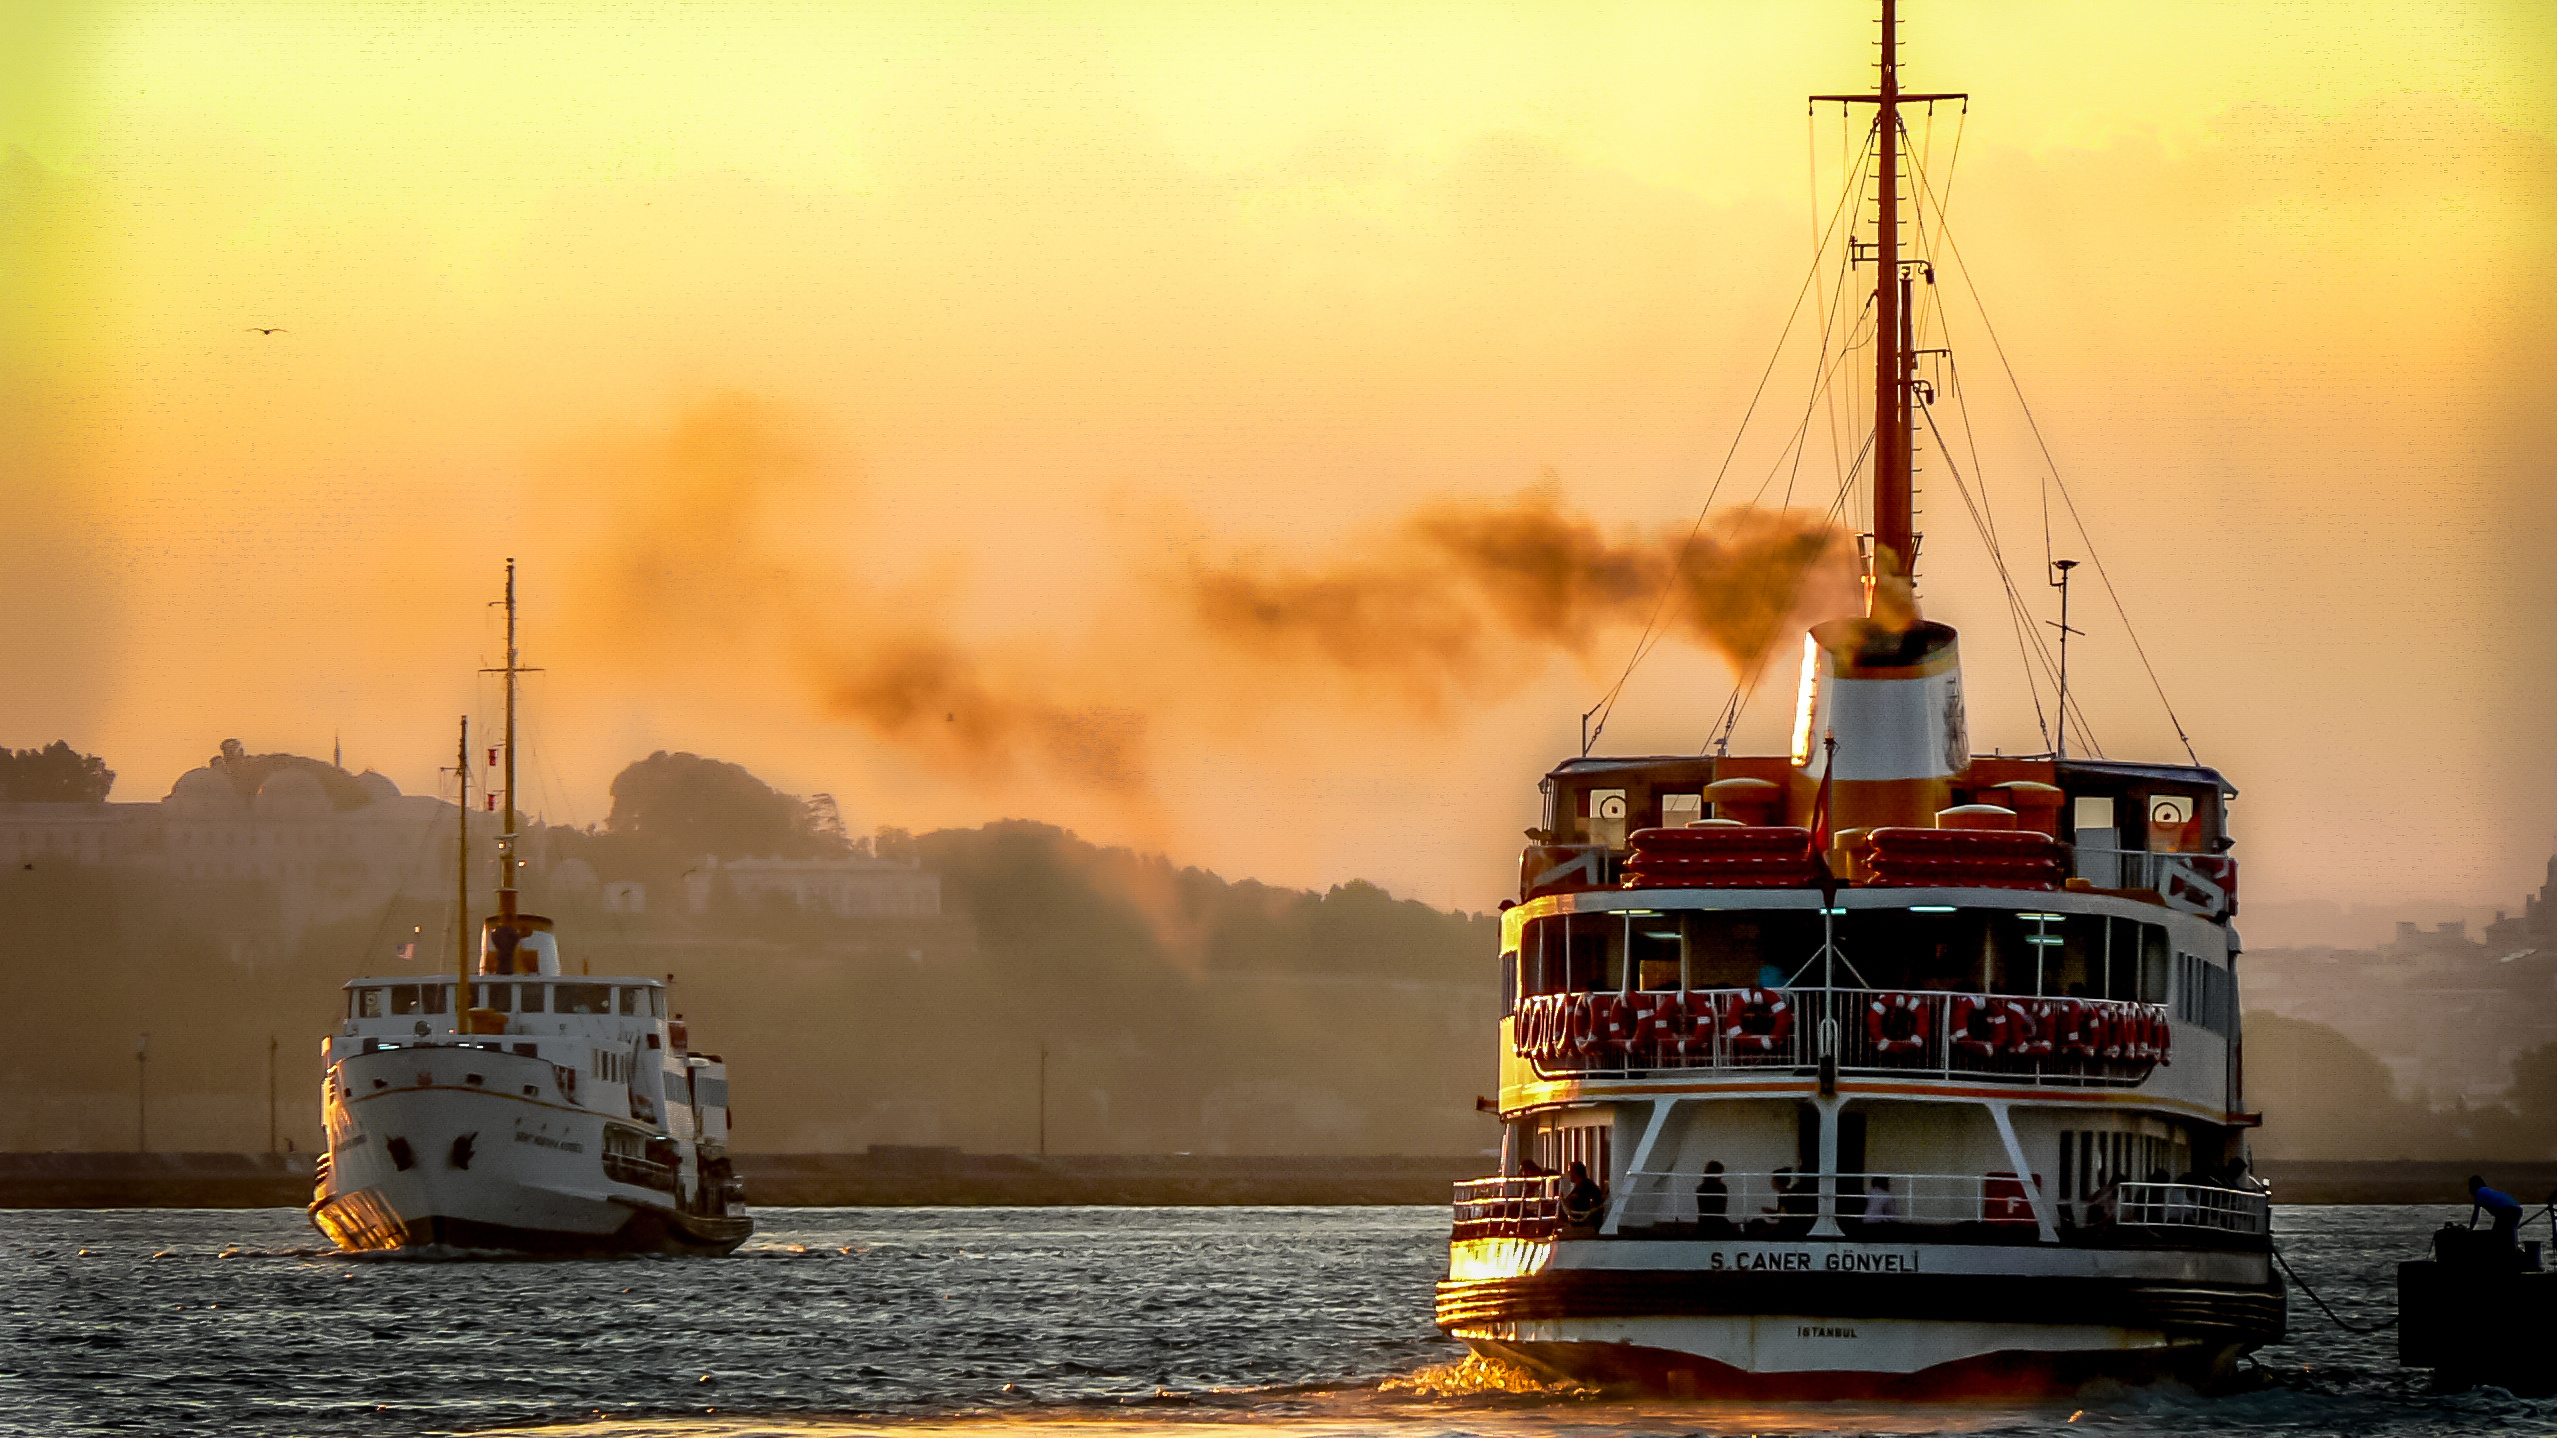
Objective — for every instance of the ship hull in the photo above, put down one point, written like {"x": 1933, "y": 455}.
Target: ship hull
{"x": 476, "y": 1150}
{"x": 1954, "y": 1322}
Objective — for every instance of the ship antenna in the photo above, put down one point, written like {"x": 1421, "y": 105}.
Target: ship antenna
{"x": 1895, "y": 542}
{"x": 2060, "y": 740}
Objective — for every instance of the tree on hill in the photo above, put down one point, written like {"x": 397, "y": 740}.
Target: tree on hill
{"x": 2324, "y": 1096}
{"x": 54, "y": 774}
{"x": 683, "y": 805}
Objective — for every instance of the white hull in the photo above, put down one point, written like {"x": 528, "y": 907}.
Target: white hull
{"x": 505, "y": 1162}
{"x": 1820, "y": 1319}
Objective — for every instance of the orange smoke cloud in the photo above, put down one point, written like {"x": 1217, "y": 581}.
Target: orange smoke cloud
{"x": 717, "y": 558}
{"x": 1452, "y": 584}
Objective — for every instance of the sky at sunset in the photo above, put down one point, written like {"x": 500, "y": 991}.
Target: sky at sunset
{"x": 923, "y": 403}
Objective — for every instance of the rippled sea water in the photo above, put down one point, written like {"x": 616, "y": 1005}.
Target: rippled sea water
{"x": 1115, "y": 1323}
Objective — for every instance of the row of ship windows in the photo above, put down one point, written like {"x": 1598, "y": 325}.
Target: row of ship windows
{"x": 1923, "y": 948}
{"x": 383, "y": 1001}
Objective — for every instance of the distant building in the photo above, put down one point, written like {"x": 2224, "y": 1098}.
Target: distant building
{"x": 852, "y": 888}
{"x": 325, "y": 862}
{"x": 2446, "y": 1013}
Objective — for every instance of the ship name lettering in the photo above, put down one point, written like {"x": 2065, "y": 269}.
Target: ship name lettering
{"x": 1850, "y": 1261}
{"x": 1810, "y": 1330}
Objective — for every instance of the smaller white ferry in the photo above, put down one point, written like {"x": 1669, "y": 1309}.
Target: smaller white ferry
{"x": 522, "y": 1108}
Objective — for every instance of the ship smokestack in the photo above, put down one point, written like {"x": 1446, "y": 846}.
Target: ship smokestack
{"x": 1893, "y": 699}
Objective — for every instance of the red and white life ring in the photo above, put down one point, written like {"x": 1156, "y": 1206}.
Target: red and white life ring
{"x": 1695, "y": 1028}
{"x": 2080, "y": 1027}
{"x": 1656, "y": 1019}
{"x": 2030, "y": 1028}
{"x": 1977, "y": 1025}
{"x": 1756, "y": 1021}
{"x": 1610, "y": 1023}
{"x": 1896, "y": 1023}
{"x": 1582, "y": 1024}
{"x": 2105, "y": 1030}
{"x": 1535, "y": 1027}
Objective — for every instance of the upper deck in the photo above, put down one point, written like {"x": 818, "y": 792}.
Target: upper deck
{"x": 410, "y": 1007}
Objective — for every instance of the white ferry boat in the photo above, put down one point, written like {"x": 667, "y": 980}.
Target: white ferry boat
{"x": 1894, "y": 1070}
{"x": 521, "y": 1108}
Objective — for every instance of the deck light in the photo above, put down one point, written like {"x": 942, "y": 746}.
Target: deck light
{"x": 2052, "y": 918}
{"x": 2043, "y": 939}
{"x": 1932, "y": 909}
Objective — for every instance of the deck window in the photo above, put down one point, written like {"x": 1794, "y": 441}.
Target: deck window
{"x": 372, "y": 1003}
{"x": 634, "y": 1002}
{"x": 1659, "y": 953}
{"x": 582, "y": 999}
{"x": 1735, "y": 949}
{"x": 1574, "y": 953}
{"x": 403, "y": 1000}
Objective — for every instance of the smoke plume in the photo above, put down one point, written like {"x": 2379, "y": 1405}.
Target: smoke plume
{"x": 1444, "y": 596}
{"x": 718, "y": 559}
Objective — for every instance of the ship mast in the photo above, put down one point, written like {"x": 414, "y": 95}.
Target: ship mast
{"x": 506, "y": 861}
{"x": 1894, "y": 359}
{"x": 462, "y": 886}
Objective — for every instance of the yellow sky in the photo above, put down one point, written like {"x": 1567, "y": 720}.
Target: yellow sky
{"x": 1001, "y": 319}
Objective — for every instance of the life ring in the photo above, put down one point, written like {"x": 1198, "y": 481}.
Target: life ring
{"x": 1693, "y": 1026}
{"x": 2029, "y": 1028}
{"x": 2081, "y": 1027}
{"x": 1896, "y": 1023}
{"x": 1978, "y": 1025}
{"x": 1581, "y": 1024}
{"x": 1655, "y": 1017}
{"x": 1757, "y": 1021}
{"x": 1612, "y": 1019}
{"x": 2141, "y": 1033}
{"x": 2104, "y": 1031}
{"x": 1527, "y": 1031}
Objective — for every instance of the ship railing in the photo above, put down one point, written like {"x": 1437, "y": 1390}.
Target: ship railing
{"x": 2197, "y": 883}
{"x": 2014, "y": 1038}
{"x": 1523, "y": 1207}
{"x": 1786, "y": 1204}
{"x": 2192, "y": 1205}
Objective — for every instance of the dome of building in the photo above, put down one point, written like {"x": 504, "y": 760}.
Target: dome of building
{"x": 203, "y": 792}
{"x": 377, "y": 785}
{"x": 292, "y": 792}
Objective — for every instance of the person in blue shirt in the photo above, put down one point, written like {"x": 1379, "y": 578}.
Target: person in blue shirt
{"x": 2498, "y": 1205}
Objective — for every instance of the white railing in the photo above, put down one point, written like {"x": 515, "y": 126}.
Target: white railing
{"x": 2196, "y": 883}
{"x": 1786, "y": 1204}
{"x": 1527, "y": 1207}
{"x": 2190, "y": 1205}
{"x": 2009, "y": 1037}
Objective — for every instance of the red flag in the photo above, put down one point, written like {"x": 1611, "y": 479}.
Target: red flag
{"x": 1820, "y": 835}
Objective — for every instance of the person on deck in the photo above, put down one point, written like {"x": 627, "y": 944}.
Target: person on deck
{"x": 1583, "y": 1199}
{"x": 1881, "y": 1205}
{"x": 2501, "y": 1206}
{"x": 1713, "y": 1203}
